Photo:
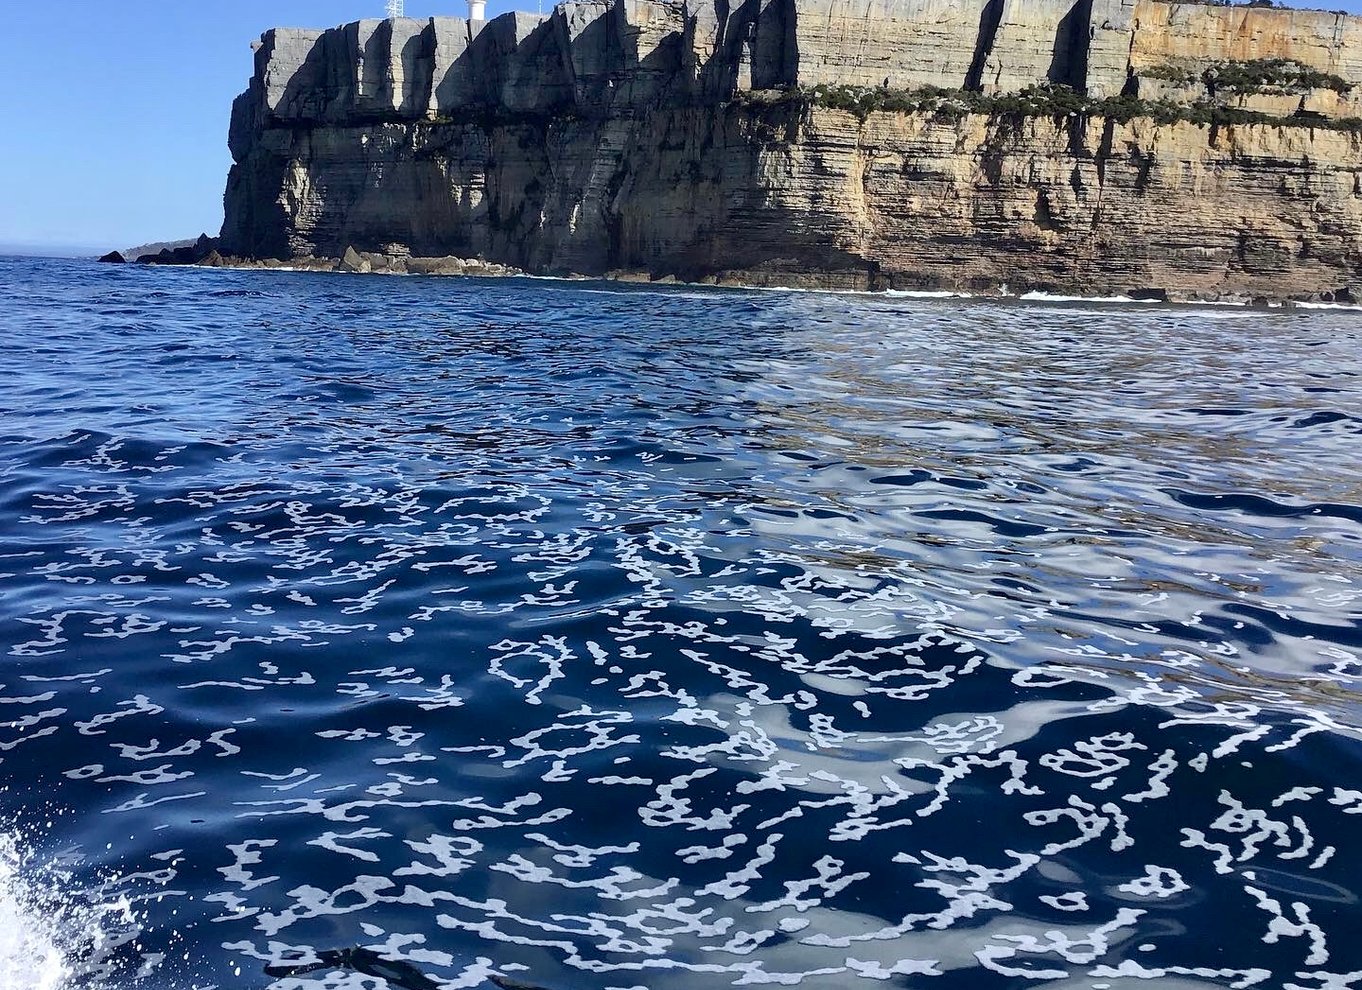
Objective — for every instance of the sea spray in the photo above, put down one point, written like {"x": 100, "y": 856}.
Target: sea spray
{"x": 30, "y": 953}
{"x": 55, "y": 933}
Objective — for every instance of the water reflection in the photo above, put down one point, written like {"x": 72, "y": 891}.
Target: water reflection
{"x": 428, "y": 633}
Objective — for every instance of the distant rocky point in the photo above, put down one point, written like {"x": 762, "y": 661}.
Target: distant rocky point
{"x": 157, "y": 248}
{"x": 1094, "y": 146}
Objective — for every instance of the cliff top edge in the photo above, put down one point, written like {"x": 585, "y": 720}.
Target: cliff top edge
{"x": 894, "y": 9}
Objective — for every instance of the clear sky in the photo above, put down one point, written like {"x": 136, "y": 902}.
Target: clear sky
{"x": 113, "y": 113}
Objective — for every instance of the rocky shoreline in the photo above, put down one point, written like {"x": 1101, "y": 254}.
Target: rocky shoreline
{"x": 206, "y": 255}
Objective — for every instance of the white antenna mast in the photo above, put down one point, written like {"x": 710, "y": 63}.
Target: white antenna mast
{"x": 395, "y": 8}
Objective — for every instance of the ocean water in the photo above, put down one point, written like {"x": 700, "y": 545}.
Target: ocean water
{"x": 402, "y": 633}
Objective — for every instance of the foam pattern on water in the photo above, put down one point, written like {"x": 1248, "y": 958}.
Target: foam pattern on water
{"x": 407, "y": 633}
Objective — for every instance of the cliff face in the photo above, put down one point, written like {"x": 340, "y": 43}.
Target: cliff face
{"x": 640, "y": 134}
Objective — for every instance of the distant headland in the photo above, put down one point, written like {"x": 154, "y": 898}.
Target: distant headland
{"x": 1096, "y": 145}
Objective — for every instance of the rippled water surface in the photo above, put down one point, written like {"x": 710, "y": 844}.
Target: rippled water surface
{"x": 368, "y": 633}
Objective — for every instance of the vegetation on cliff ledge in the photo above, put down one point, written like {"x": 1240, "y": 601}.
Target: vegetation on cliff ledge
{"x": 1281, "y": 76}
{"x": 1035, "y": 101}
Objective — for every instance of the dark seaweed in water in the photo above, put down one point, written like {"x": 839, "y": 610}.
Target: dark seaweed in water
{"x": 408, "y": 633}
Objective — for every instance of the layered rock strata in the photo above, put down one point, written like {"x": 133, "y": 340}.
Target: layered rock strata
{"x": 667, "y": 136}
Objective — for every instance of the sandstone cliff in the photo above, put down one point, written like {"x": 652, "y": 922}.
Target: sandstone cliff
{"x": 696, "y": 139}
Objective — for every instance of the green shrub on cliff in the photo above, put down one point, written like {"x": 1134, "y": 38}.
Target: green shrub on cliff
{"x": 1271, "y": 74}
{"x": 861, "y": 101}
{"x": 1234, "y": 3}
{"x": 1040, "y": 101}
{"x": 1262, "y": 75}
{"x": 1172, "y": 73}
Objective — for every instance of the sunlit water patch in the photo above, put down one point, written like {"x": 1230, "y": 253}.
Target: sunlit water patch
{"x": 446, "y": 633}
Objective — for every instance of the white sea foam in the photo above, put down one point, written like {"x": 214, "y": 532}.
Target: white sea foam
{"x": 54, "y": 935}
{"x": 927, "y": 294}
{"x": 30, "y": 956}
{"x": 1351, "y": 307}
{"x": 1052, "y": 297}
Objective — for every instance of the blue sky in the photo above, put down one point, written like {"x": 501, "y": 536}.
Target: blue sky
{"x": 113, "y": 113}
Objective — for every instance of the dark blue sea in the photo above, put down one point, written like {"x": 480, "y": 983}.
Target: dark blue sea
{"x": 371, "y": 633}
